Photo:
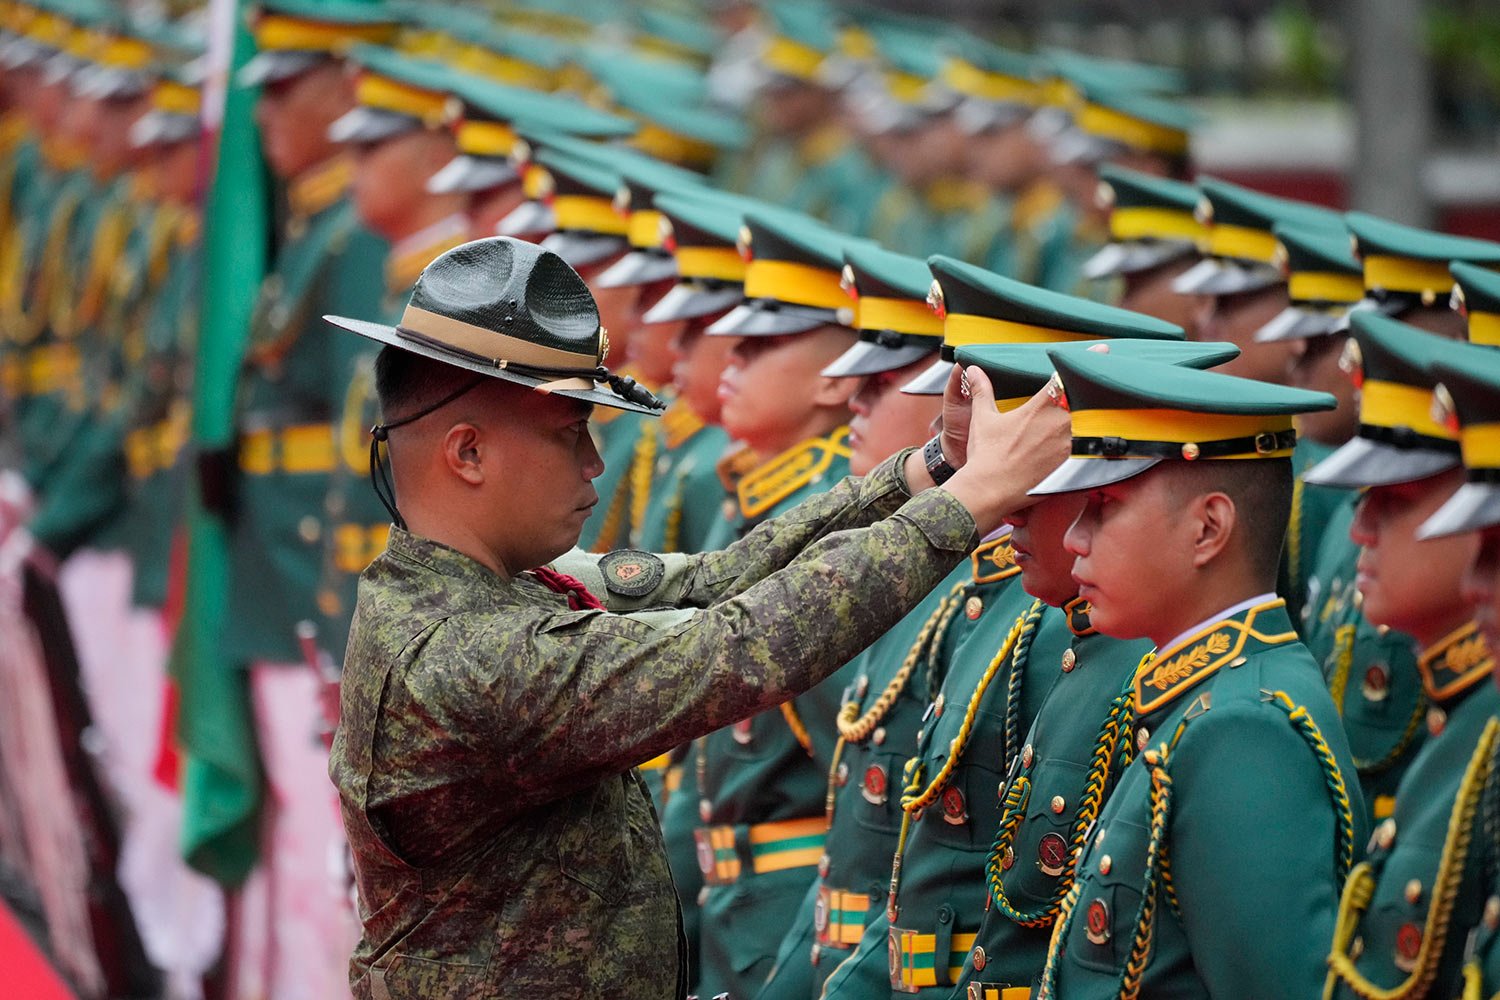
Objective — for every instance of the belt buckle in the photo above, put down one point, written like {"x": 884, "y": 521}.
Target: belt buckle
{"x": 706, "y": 854}
{"x": 897, "y": 951}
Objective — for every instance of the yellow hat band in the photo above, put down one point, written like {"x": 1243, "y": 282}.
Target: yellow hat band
{"x": 1180, "y": 427}
{"x": 1059, "y": 93}
{"x": 963, "y": 330}
{"x": 503, "y": 69}
{"x": 665, "y": 144}
{"x": 282, "y": 33}
{"x": 1484, "y": 328}
{"x": 643, "y": 229}
{"x": 388, "y": 94}
{"x": 49, "y": 29}
{"x": 1242, "y": 243}
{"x": 1480, "y": 444}
{"x": 792, "y": 59}
{"x": 799, "y": 284}
{"x": 900, "y": 315}
{"x": 857, "y": 43}
{"x": 1392, "y": 404}
{"x": 537, "y": 182}
{"x": 967, "y": 79}
{"x": 1107, "y": 123}
{"x": 1324, "y": 286}
{"x": 1154, "y": 224}
{"x": 176, "y": 98}
{"x": 589, "y": 214}
{"x": 482, "y": 138}
{"x": 123, "y": 53}
{"x": 905, "y": 87}
{"x": 1015, "y": 403}
{"x": 1404, "y": 274}
{"x": 710, "y": 263}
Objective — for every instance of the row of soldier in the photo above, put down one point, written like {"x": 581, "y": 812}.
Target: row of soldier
{"x": 916, "y": 823}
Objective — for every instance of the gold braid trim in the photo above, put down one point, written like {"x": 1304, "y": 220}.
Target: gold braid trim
{"x": 621, "y": 502}
{"x": 1361, "y": 886}
{"x": 797, "y": 726}
{"x": 1343, "y": 662}
{"x": 1294, "y": 540}
{"x": 642, "y": 464}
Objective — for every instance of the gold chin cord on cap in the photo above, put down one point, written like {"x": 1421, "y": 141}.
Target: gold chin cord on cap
{"x": 380, "y": 477}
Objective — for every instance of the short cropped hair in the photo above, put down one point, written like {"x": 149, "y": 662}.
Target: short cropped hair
{"x": 1262, "y": 493}
{"x": 406, "y": 382}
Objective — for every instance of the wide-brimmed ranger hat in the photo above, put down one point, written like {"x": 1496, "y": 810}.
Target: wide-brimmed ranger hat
{"x": 1399, "y": 439}
{"x": 1322, "y": 282}
{"x": 1240, "y": 251}
{"x": 896, "y": 327}
{"x": 981, "y": 307}
{"x": 1152, "y": 221}
{"x": 1129, "y": 416}
{"x": 1405, "y": 267}
{"x": 1019, "y": 371}
{"x": 1476, "y": 296}
{"x": 510, "y": 310}
{"x": 1467, "y": 396}
{"x": 792, "y": 278}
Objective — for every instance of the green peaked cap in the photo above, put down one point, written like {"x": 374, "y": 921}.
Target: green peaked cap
{"x": 1323, "y": 282}
{"x": 506, "y": 103}
{"x": 701, "y": 228}
{"x": 1399, "y": 439}
{"x": 1476, "y": 292}
{"x": 1413, "y": 262}
{"x": 1134, "y": 189}
{"x": 875, "y": 271}
{"x": 1469, "y": 395}
{"x": 1128, "y": 415}
{"x": 1018, "y": 371}
{"x": 888, "y": 300}
{"x": 1151, "y": 222}
{"x": 333, "y": 11}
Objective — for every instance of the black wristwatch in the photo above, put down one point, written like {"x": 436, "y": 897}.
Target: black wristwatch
{"x": 937, "y": 466}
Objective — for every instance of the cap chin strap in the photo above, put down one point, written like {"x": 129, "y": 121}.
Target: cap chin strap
{"x": 380, "y": 477}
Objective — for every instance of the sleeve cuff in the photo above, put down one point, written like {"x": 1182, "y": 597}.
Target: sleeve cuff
{"x": 944, "y": 522}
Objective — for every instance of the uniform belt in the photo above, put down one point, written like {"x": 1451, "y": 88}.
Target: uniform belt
{"x": 913, "y": 962}
{"x": 987, "y": 991}
{"x": 52, "y": 369}
{"x": 301, "y": 448}
{"x": 839, "y": 918}
{"x": 724, "y": 852}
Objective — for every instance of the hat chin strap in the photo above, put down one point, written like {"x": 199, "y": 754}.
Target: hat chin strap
{"x": 380, "y": 477}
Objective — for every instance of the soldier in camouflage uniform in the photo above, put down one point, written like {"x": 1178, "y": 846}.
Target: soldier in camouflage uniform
{"x": 509, "y": 783}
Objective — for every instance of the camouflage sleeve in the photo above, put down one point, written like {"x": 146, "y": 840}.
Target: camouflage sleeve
{"x": 702, "y": 579}
{"x": 557, "y": 700}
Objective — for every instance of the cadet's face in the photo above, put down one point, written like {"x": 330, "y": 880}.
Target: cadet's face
{"x": 886, "y": 419}
{"x": 650, "y": 346}
{"x": 771, "y": 389}
{"x": 177, "y": 172}
{"x": 487, "y": 208}
{"x": 1005, "y": 159}
{"x": 1314, "y": 365}
{"x": 294, "y": 116}
{"x": 1235, "y": 318}
{"x": 1409, "y": 585}
{"x": 1037, "y": 536}
{"x": 390, "y": 179}
{"x": 111, "y": 151}
{"x": 1131, "y": 549}
{"x": 698, "y": 362}
{"x": 1150, "y": 292}
{"x": 1481, "y": 586}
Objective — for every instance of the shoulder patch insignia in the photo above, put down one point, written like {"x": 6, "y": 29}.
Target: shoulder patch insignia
{"x": 994, "y": 561}
{"x": 679, "y": 423}
{"x": 631, "y": 573}
{"x": 777, "y": 479}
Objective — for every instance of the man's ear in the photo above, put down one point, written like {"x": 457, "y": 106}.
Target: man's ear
{"x": 1217, "y": 521}
{"x": 463, "y": 447}
{"x": 834, "y": 393}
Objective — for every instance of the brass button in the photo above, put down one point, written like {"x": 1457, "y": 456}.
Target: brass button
{"x": 1437, "y": 721}
{"x": 973, "y": 608}
{"x": 1413, "y": 891}
{"x": 1492, "y": 913}
{"x": 861, "y": 686}
{"x": 1069, "y": 661}
{"x": 1142, "y": 737}
{"x": 979, "y": 959}
{"x": 1058, "y": 804}
{"x": 841, "y": 777}
{"x": 1105, "y": 864}
{"x": 1027, "y": 755}
{"x": 1385, "y": 835}
{"x": 823, "y": 864}
{"x": 309, "y": 529}
{"x": 1008, "y": 860}
{"x": 705, "y": 809}
{"x": 937, "y": 706}
{"x": 878, "y": 736}
{"x": 1356, "y": 948}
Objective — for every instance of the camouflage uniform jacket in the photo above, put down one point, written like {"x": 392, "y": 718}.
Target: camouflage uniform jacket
{"x": 503, "y": 843}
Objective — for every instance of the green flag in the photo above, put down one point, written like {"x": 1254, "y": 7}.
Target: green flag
{"x": 221, "y": 773}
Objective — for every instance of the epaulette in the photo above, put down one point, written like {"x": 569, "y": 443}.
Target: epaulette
{"x": 1198, "y": 657}
{"x": 320, "y": 187}
{"x": 737, "y": 460}
{"x": 994, "y": 560}
{"x": 1454, "y": 663}
{"x": 678, "y": 424}
{"x": 773, "y": 482}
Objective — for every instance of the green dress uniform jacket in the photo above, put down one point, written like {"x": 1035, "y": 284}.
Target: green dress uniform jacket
{"x": 953, "y": 217}
{"x": 617, "y": 435}
{"x": 892, "y": 683}
{"x": 1372, "y": 673}
{"x": 1313, "y": 507}
{"x": 778, "y": 485}
{"x": 825, "y": 175}
{"x": 1081, "y": 741}
{"x": 327, "y": 263}
{"x": 686, "y": 492}
{"x": 502, "y": 842}
{"x": 1216, "y": 866}
{"x": 994, "y": 682}
{"x": 1411, "y": 904}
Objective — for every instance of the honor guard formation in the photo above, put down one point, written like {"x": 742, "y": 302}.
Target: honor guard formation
{"x": 776, "y": 501}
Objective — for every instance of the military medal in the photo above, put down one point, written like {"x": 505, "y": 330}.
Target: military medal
{"x": 1052, "y": 854}
{"x": 1098, "y": 922}
{"x": 1377, "y": 682}
{"x": 873, "y": 788}
{"x": 953, "y": 807}
{"x": 1408, "y": 946}
{"x": 973, "y": 608}
{"x": 741, "y": 732}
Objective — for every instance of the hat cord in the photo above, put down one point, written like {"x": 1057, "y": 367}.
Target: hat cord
{"x": 380, "y": 476}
